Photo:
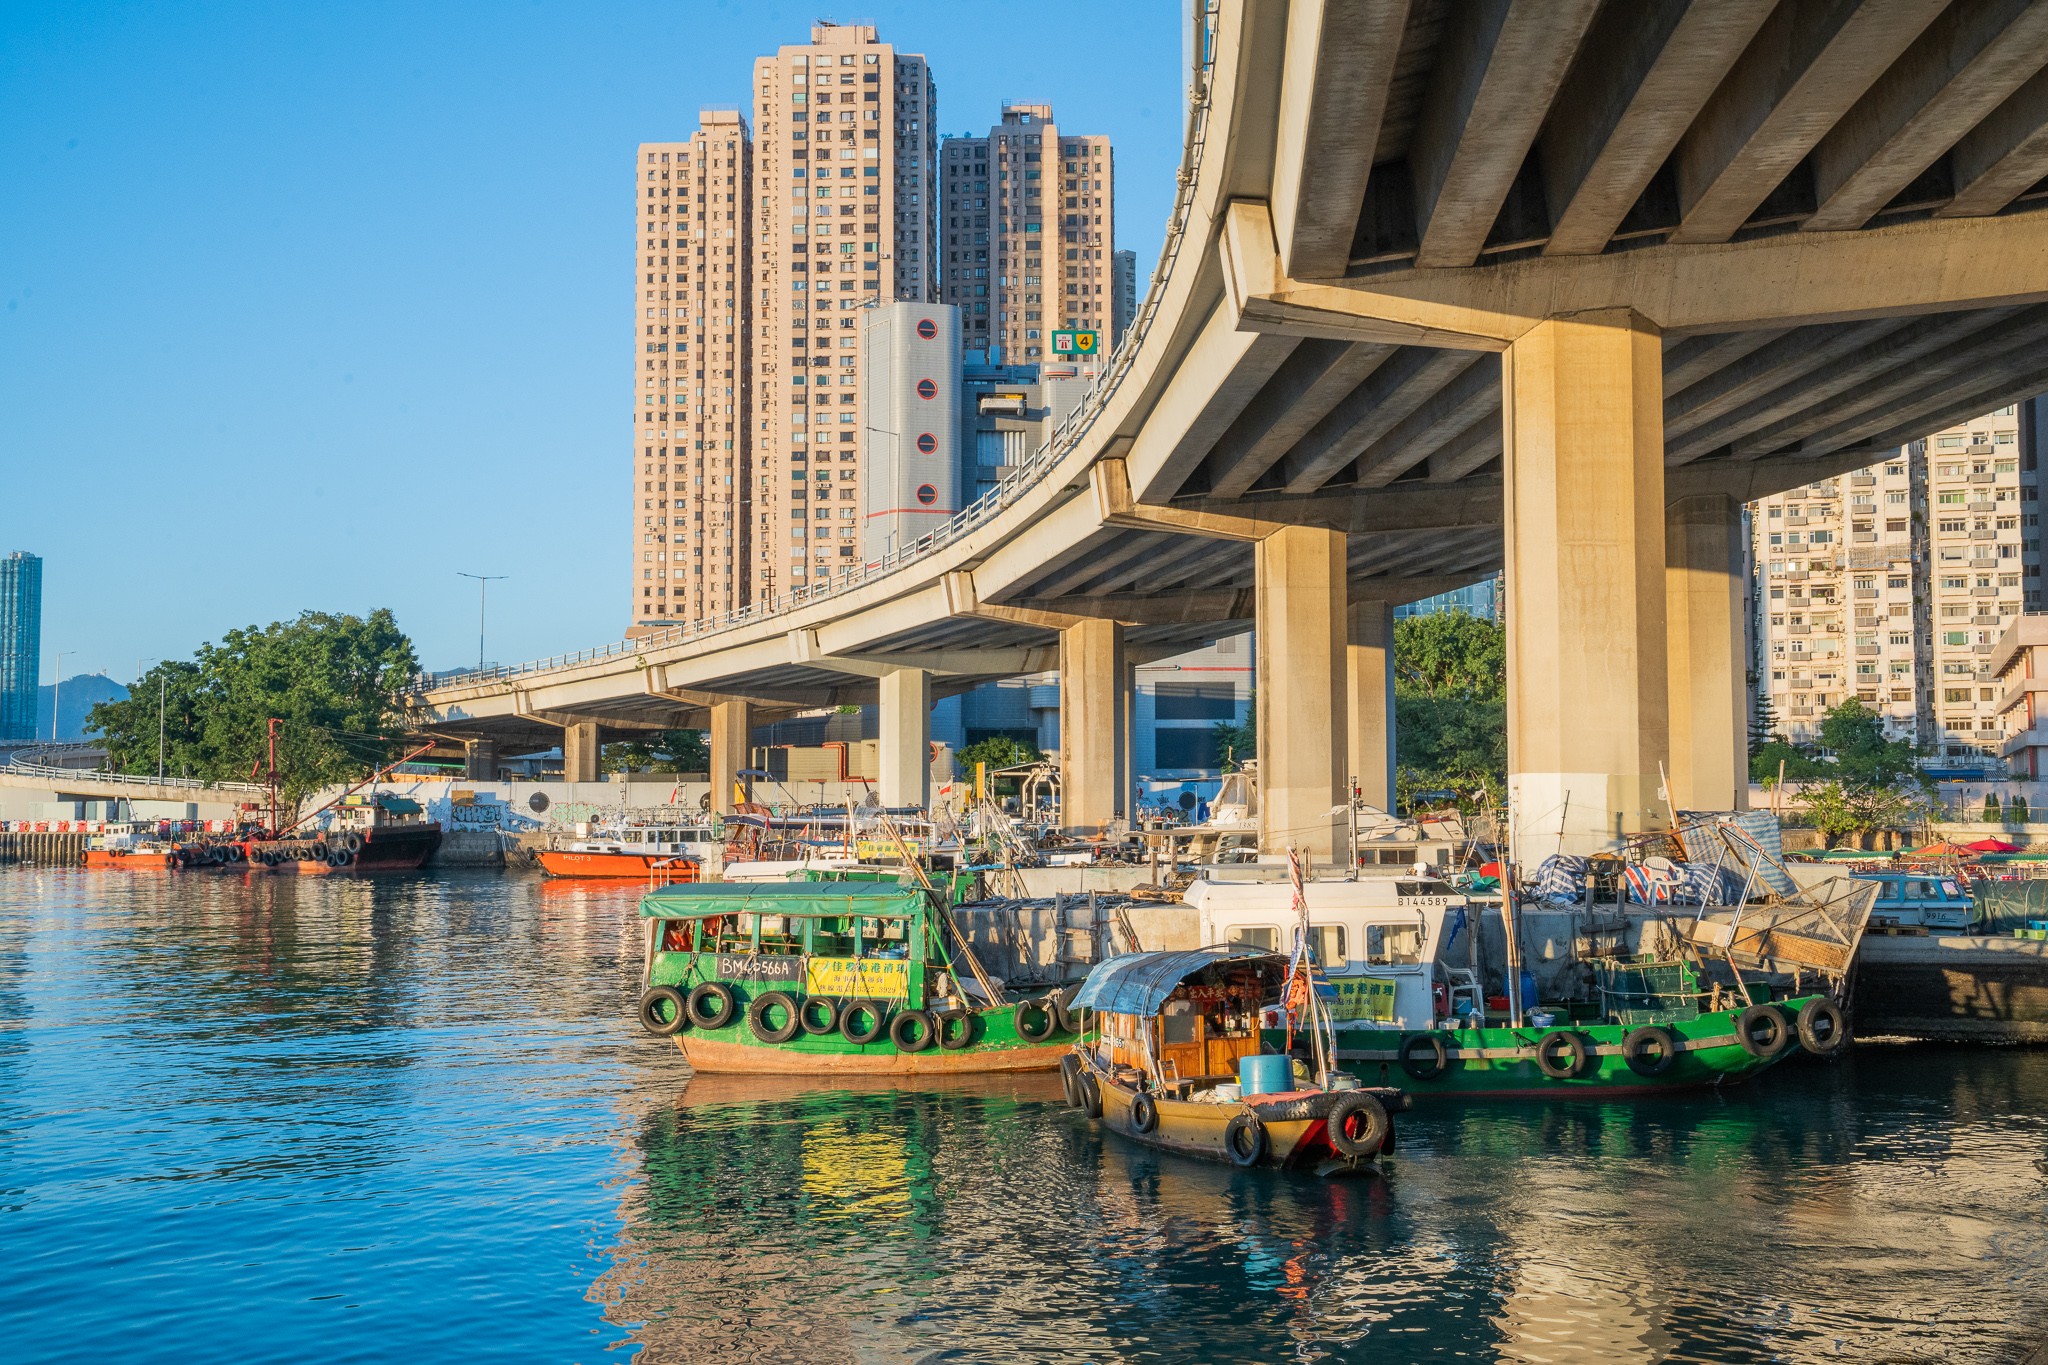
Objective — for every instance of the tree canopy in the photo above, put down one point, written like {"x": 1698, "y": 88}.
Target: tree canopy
{"x": 1859, "y": 753}
{"x": 330, "y": 679}
{"x": 671, "y": 751}
{"x": 1450, "y": 706}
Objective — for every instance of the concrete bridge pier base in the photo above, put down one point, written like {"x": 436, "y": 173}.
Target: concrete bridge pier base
{"x": 1095, "y": 726}
{"x": 580, "y": 752}
{"x": 1587, "y": 668}
{"x": 732, "y": 725}
{"x": 1706, "y": 556}
{"x": 1370, "y": 724}
{"x": 1304, "y": 701}
{"x": 906, "y": 749}
{"x": 480, "y": 760}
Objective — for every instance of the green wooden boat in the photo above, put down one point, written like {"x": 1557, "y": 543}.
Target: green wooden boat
{"x": 829, "y": 978}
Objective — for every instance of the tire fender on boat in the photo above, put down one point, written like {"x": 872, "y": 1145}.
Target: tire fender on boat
{"x": 712, "y": 1005}
{"x": 757, "y": 1017}
{"x": 1244, "y": 1140}
{"x": 1358, "y": 1124}
{"x": 952, "y": 1038}
{"x": 1762, "y": 1031}
{"x": 352, "y": 841}
{"x": 1063, "y": 1016}
{"x": 852, "y": 1032}
{"x": 1091, "y": 1094}
{"x": 320, "y": 850}
{"x": 1023, "y": 1014}
{"x": 659, "y": 1000}
{"x": 1649, "y": 1050}
{"x": 1822, "y": 1029}
{"x": 1562, "y": 1055}
{"x": 1424, "y": 1056}
{"x": 1144, "y": 1112}
{"x": 1070, "y": 1080}
{"x": 815, "y": 1023}
{"x": 913, "y": 1030}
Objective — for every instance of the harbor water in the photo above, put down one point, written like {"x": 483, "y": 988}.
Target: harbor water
{"x": 280, "y": 1119}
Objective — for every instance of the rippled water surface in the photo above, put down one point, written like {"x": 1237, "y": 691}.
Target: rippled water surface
{"x": 412, "y": 1119}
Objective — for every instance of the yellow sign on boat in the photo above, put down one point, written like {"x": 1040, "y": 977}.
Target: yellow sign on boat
{"x": 886, "y": 850}
{"x": 1369, "y": 998}
{"x": 858, "y": 977}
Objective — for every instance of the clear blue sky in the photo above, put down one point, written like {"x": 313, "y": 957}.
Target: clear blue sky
{"x": 314, "y": 305}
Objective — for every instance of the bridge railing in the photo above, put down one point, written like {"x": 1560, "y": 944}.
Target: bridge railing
{"x": 42, "y": 770}
{"x": 1018, "y": 481}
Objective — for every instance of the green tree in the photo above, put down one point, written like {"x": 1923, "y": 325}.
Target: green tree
{"x": 1799, "y": 765}
{"x": 1450, "y": 707}
{"x": 1763, "y": 722}
{"x": 330, "y": 678}
{"x": 998, "y": 752}
{"x": 1854, "y": 734}
{"x": 1838, "y": 808}
{"x": 1450, "y": 654}
{"x": 671, "y": 751}
{"x": 1237, "y": 742}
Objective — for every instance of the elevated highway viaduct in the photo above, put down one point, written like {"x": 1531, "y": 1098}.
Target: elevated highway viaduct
{"x": 1554, "y": 286}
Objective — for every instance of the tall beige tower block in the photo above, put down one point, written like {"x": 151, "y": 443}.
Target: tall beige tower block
{"x": 1303, "y": 671}
{"x": 1095, "y": 726}
{"x": 1588, "y": 708}
{"x": 1704, "y": 548}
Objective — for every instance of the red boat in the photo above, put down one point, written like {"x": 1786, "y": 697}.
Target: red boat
{"x": 676, "y": 853}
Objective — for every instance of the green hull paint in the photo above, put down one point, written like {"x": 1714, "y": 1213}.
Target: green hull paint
{"x": 1494, "y": 1062}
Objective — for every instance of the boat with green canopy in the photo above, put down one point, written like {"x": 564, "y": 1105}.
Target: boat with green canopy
{"x": 833, "y": 978}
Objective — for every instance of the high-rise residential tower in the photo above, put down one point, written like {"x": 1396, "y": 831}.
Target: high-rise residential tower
{"x": 845, "y": 217}
{"x": 1029, "y": 228}
{"x": 692, "y": 448}
{"x": 1124, "y": 280}
{"x": 21, "y": 643}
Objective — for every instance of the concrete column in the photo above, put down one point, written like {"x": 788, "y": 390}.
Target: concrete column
{"x": 1304, "y": 704}
{"x": 1095, "y": 730}
{"x": 906, "y": 756}
{"x": 1587, "y": 699}
{"x": 1706, "y": 560}
{"x": 580, "y": 749}
{"x": 1370, "y": 722}
{"x": 732, "y": 726}
{"x": 480, "y": 760}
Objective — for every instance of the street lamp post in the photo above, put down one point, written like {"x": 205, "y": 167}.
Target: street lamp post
{"x": 483, "y": 582}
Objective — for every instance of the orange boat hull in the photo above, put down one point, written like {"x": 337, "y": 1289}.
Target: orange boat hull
{"x": 109, "y": 857}
{"x": 557, "y": 863}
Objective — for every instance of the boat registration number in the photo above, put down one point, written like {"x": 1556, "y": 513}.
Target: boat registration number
{"x": 872, "y": 978}
{"x": 752, "y": 967}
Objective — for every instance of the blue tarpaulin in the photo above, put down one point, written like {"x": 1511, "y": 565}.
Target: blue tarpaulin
{"x": 1138, "y": 983}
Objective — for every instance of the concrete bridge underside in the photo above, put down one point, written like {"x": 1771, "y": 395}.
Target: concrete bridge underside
{"x": 1452, "y": 287}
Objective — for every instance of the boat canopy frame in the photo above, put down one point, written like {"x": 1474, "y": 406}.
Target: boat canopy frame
{"x": 1140, "y": 983}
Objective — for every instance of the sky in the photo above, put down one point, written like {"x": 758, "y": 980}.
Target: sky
{"x": 318, "y": 306}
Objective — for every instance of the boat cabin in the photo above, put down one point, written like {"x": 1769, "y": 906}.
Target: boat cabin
{"x": 377, "y": 810}
{"x": 1919, "y": 900}
{"x": 1183, "y": 1019}
{"x": 662, "y": 841}
{"x": 1380, "y": 942}
{"x": 846, "y": 940}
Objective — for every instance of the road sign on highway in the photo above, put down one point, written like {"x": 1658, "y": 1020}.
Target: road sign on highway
{"x": 1076, "y": 343}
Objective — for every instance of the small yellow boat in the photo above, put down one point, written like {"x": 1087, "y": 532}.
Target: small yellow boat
{"x": 1171, "y": 1057}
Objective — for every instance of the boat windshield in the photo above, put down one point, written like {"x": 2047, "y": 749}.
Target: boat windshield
{"x": 821, "y": 935}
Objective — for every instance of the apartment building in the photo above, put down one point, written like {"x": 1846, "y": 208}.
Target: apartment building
{"x": 846, "y": 218}
{"x": 21, "y": 643}
{"x": 692, "y": 542}
{"x": 1029, "y": 222}
{"x": 1124, "y": 284}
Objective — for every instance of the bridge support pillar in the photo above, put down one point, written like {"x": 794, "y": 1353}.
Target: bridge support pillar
{"x": 1095, "y": 726}
{"x": 1304, "y": 704}
{"x": 1703, "y": 582}
{"x": 1370, "y": 724}
{"x": 1588, "y": 704}
{"x": 906, "y": 749}
{"x": 580, "y": 750}
{"x": 732, "y": 726}
{"x": 480, "y": 760}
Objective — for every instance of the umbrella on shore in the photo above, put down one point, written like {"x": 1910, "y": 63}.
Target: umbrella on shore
{"x": 1992, "y": 846}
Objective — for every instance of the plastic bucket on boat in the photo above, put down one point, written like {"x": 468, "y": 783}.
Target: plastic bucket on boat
{"x": 1271, "y": 1075}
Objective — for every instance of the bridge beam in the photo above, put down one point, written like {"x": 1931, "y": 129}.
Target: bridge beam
{"x": 906, "y": 749}
{"x": 581, "y": 750}
{"x": 1303, "y": 697}
{"x": 732, "y": 725}
{"x": 1095, "y": 726}
{"x": 1706, "y": 554}
{"x": 1369, "y": 667}
{"x": 1588, "y": 711}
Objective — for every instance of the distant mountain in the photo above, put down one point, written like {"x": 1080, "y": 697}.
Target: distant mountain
{"x": 77, "y": 696}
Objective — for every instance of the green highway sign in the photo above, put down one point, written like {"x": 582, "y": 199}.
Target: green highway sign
{"x": 1076, "y": 343}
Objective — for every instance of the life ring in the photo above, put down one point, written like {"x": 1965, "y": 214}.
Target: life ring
{"x": 878, "y": 1019}
{"x": 1822, "y": 1029}
{"x": 1424, "y": 1056}
{"x": 1762, "y": 1032}
{"x": 952, "y": 1038}
{"x": 1144, "y": 1112}
{"x": 1358, "y": 1124}
{"x": 1070, "y": 1080}
{"x": 352, "y": 841}
{"x": 712, "y": 1005}
{"x": 1649, "y": 1050}
{"x": 1022, "y": 1017}
{"x": 813, "y": 1023}
{"x": 1561, "y": 1055}
{"x": 1091, "y": 1095}
{"x": 1244, "y": 1140}
{"x": 757, "y": 1017}
{"x": 663, "y": 1011}
{"x": 913, "y": 1030}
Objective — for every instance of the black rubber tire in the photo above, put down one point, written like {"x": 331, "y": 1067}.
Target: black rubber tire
{"x": 345, "y": 857}
{"x": 713, "y": 1005}
{"x": 1244, "y": 1140}
{"x": 1822, "y": 1029}
{"x": 806, "y": 1014}
{"x": 337, "y": 859}
{"x": 1650, "y": 1050}
{"x": 1091, "y": 1095}
{"x": 1563, "y": 1068}
{"x": 1025, "y": 1009}
{"x": 956, "y": 1029}
{"x": 1070, "y": 1080}
{"x": 1423, "y": 1067}
{"x": 678, "y": 1011}
{"x": 913, "y": 1030}
{"x": 1771, "y": 1022}
{"x": 1063, "y": 1017}
{"x": 352, "y": 841}
{"x": 853, "y": 1009}
{"x": 236, "y": 853}
{"x": 320, "y": 850}
{"x": 1373, "y": 1126}
{"x": 1144, "y": 1112}
{"x": 757, "y": 1017}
